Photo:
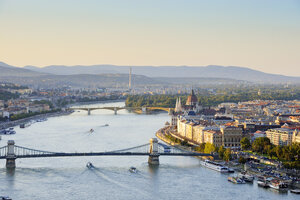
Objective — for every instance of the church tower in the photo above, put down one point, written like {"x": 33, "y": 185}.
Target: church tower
{"x": 178, "y": 107}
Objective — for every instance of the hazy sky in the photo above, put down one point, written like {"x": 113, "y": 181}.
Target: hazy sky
{"x": 260, "y": 34}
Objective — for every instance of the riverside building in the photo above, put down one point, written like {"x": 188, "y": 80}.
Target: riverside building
{"x": 280, "y": 136}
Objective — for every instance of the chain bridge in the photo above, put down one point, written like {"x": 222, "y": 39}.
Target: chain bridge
{"x": 153, "y": 150}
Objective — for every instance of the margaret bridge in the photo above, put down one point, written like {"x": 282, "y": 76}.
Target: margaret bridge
{"x": 116, "y": 109}
{"x": 153, "y": 150}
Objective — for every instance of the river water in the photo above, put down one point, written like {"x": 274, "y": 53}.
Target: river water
{"x": 68, "y": 178}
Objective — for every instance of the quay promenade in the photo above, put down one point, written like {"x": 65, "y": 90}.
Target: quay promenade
{"x": 4, "y": 125}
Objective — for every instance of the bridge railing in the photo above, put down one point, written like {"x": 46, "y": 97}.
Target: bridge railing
{"x": 24, "y": 151}
{"x": 144, "y": 148}
{"x": 3, "y": 151}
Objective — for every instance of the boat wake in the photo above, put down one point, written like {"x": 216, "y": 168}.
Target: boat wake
{"x": 100, "y": 174}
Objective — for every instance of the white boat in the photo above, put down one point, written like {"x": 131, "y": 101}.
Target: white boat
{"x": 8, "y": 131}
{"x": 25, "y": 125}
{"x": 245, "y": 176}
{"x": 133, "y": 170}
{"x": 278, "y": 185}
{"x": 41, "y": 120}
{"x": 295, "y": 191}
{"x": 215, "y": 166}
{"x": 262, "y": 182}
{"x": 90, "y": 165}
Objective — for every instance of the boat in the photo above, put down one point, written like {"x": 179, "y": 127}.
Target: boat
{"x": 5, "y": 198}
{"x": 278, "y": 185}
{"x": 230, "y": 170}
{"x": 236, "y": 180}
{"x": 246, "y": 177}
{"x": 295, "y": 191}
{"x": 106, "y": 125}
{"x": 215, "y": 166}
{"x": 41, "y": 120}
{"x": 92, "y": 130}
{"x": 25, "y": 125}
{"x": 90, "y": 165}
{"x": 8, "y": 131}
{"x": 262, "y": 182}
{"x": 133, "y": 170}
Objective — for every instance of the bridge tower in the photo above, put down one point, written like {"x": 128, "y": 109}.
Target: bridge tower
{"x": 115, "y": 110}
{"x": 89, "y": 111}
{"x": 11, "y": 156}
{"x": 154, "y": 155}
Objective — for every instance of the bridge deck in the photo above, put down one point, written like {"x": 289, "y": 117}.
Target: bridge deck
{"x": 105, "y": 154}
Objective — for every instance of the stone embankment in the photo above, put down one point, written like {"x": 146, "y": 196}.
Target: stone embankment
{"x": 28, "y": 119}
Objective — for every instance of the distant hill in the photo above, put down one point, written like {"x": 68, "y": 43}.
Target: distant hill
{"x": 231, "y": 72}
{"x": 81, "y": 80}
{"x": 7, "y": 70}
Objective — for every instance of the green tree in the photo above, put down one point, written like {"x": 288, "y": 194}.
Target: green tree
{"x": 227, "y": 154}
{"x": 209, "y": 148}
{"x": 245, "y": 143}
{"x": 259, "y": 144}
{"x": 221, "y": 152}
{"x": 200, "y": 148}
{"x": 242, "y": 160}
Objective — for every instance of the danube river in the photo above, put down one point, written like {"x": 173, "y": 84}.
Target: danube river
{"x": 68, "y": 178}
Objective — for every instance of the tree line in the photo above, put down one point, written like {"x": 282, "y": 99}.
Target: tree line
{"x": 289, "y": 155}
{"x": 213, "y": 99}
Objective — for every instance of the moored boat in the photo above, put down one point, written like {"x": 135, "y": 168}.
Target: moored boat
{"x": 8, "y": 131}
{"x": 235, "y": 180}
{"x": 5, "y": 198}
{"x": 295, "y": 191}
{"x": 246, "y": 177}
{"x": 215, "y": 166}
{"x": 25, "y": 125}
{"x": 278, "y": 185}
{"x": 262, "y": 182}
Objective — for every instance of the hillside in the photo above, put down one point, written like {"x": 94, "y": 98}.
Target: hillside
{"x": 6, "y": 70}
{"x": 230, "y": 72}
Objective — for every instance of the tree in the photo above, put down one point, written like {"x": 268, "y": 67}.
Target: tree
{"x": 259, "y": 144}
{"x": 245, "y": 143}
{"x": 227, "y": 154}
{"x": 221, "y": 152}
{"x": 242, "y": 160}
{"x": 201, "y": 147}
{"x": 209, "y": 148}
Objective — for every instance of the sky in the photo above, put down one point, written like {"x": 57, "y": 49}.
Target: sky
{"x": 260, "y": 34}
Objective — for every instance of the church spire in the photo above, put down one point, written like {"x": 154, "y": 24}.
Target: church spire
{"x": 178, "y": 107}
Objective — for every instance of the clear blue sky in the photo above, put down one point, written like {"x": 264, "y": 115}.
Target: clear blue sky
{"x": 259, "y": 34}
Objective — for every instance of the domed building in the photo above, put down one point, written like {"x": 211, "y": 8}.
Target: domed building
{"x": 191, "y": 104}
{"x": 192, "y": 100}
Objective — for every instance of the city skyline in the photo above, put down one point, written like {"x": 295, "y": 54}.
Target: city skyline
{"x": 261, "y": 35}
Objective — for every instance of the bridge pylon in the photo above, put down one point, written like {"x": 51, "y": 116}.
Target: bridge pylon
{"x": 11, "y": 156}
{"x": 89, "y": 111}
{"x": 154, "y": 155}
{"x": 115, "y": 110}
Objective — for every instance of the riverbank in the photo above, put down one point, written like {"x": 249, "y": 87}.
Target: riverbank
{"x": 5, "y": 125}
{"x": 95, "y": 102}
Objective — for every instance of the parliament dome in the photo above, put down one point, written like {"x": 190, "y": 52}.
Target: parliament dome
{"x": 192, "y": 100}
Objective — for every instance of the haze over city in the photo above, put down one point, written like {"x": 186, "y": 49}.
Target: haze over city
{"x": 150, "y": 99}
{"x": 261, "y": 35}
